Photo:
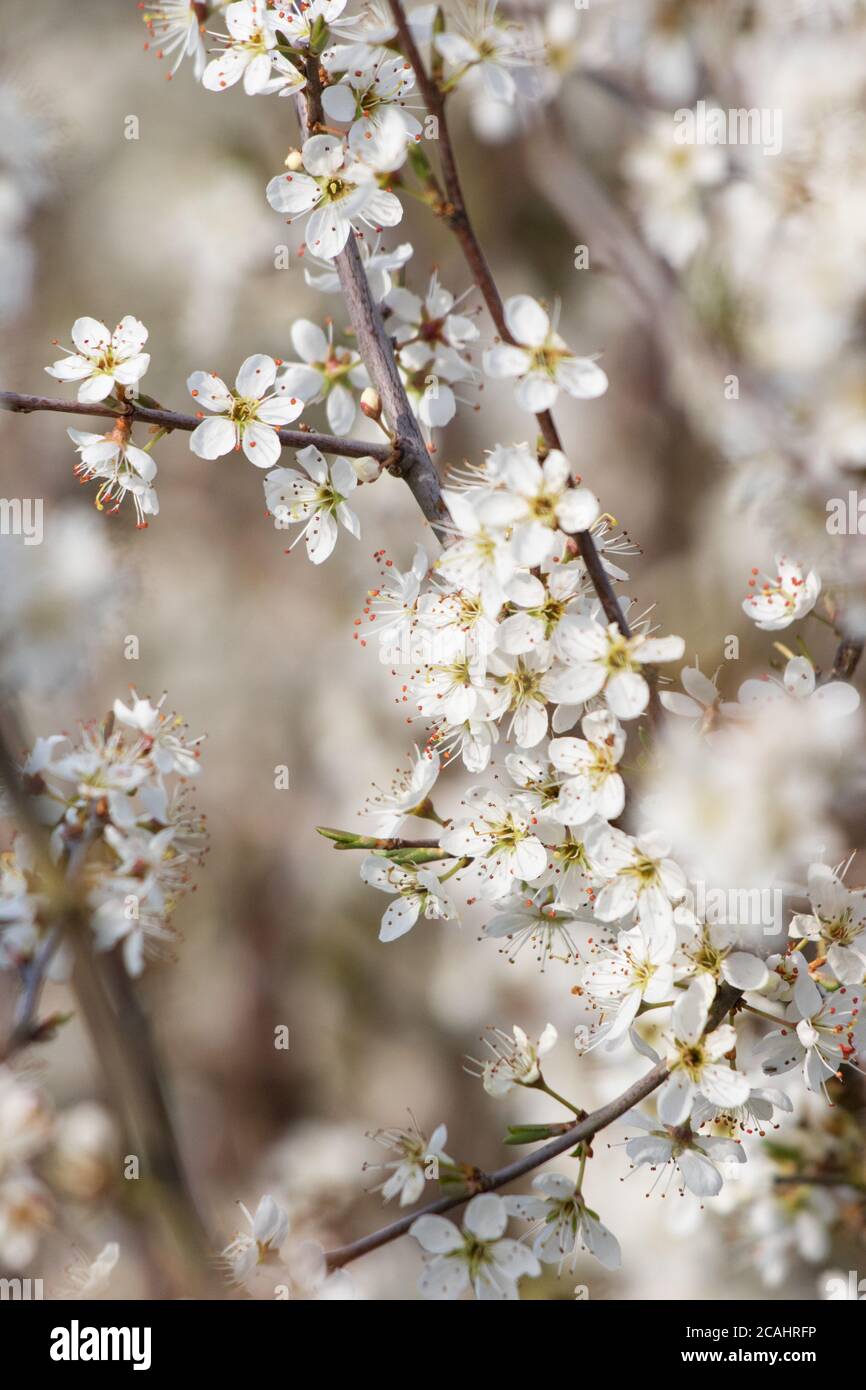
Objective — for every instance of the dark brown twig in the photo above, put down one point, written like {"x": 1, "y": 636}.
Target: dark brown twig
{"x": 413, "y": 462}
{"x": 171, "y": 420}
{"x": 457, "y": 217}
{"x": 585, "y": 1129}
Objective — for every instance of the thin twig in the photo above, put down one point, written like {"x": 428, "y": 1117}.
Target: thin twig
{"x": 26, "y": 1028}
{"x": 171, "y": 420}
{"x": 457, "y": 217}
{"x": 413, "y": 461}
{"x": 726, "y": 999}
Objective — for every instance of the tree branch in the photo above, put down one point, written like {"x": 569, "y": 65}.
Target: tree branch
{"x": 726, "y": 999}
{"x": 413, "y": 463}
{"x": 457, "y": 216}
{"x": 171, "y": 420}
{"x": 119, "y": 1032}
{"x": 26, "y": 1028}
{"x": 847, "y": 658}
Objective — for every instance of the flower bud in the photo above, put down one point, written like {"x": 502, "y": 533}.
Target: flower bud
{"x": 294, "y": 160}
{"x": 371, "y": 403}
{"x": 367, "y": 469}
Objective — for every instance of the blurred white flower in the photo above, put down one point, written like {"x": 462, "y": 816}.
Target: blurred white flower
{"x": 541, "y": 360}
{"x": 781, "y": 599}
{"x": 92, "y": 1280}
{"x": 832, "y": 700}
{"x": 479, "y": 1256}
{"x": 51, "y": 595}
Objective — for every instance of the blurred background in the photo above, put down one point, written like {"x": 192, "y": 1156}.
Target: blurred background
{"x": 254, "y": 646}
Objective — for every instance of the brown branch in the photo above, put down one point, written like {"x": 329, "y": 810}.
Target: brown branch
{"x": 27, "y": 1029}
{"x": 171, "y": 420}
{"x": 847, "y": 658}
{"x": 489, "y": 1182}
{"x": 119, "y": 1032}
{"x": 819, "y": 1180}
{"x": 696, "y": 365}
{"x": 413, "y": 462}
{"x": 457, "y": 217}
{"x": 726, "y": 999}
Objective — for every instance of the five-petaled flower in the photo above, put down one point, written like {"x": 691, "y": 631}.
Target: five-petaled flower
{"x": 248, "y": 417}
{"x": 540, "y": 360}
{"x": 315, "y": 498}
{"x": 337, "y": 190}
{"x": 480, "y": 1256}
{"x": 103, "y": 360}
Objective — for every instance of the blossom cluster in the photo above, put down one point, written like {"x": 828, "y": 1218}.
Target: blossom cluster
{"x": 606, "y": 799}
{"x": 118, "y": 800}
{"x": 45, "y": 1157}
{"x": 539, "y": 682}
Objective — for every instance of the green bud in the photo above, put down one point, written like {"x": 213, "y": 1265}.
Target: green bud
{"x": 319, "y": 35}
{"x": 412, "y": 856}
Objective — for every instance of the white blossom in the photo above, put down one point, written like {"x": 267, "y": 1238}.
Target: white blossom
{"x": 480, "y": 1256}
{"x": 103, "y": 360}
{"x": 248, "y": 417}
{"x": 337, "y": 190}
{"x": 540, "y": 360}
{"x": 315, "y": 499}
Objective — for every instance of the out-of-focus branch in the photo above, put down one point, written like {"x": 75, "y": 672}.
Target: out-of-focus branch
{"x": 27, "y": 1028}
{"x": 171, "y": 420}
{"x": 697, "y": 367}
{"x": 847, "y": 658}
{"x": 819, "y": 1180}
{"x": 456, "y": 215}
{"x": 119, "y": 1032}
{"x": 726, "y": 999}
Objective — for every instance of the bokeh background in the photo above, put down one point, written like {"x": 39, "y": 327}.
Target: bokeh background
{"x": 255, "y": 646}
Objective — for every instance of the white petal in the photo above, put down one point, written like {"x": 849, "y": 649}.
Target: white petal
{"x": 527, "y": 321}
{"x": 309, "y": 341}
{"x": 256, "y": 376}
{"x": 261, "y": 444}
{"x": 486, "y": 1217}
{"x": 213, "y": 437}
